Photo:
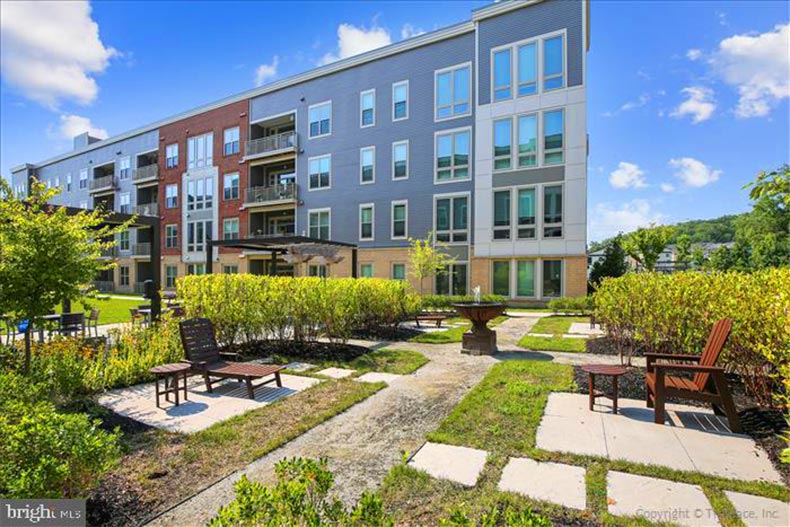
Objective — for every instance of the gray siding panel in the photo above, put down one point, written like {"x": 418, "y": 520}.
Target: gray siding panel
{"x": 529, "y": 177}
{"x": 521, "y": 24}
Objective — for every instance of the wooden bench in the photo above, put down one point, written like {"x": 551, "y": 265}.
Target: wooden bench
{"x": 437, "y": 318}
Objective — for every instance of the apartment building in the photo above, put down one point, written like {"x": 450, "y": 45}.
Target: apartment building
{"x": 476, "y": 132}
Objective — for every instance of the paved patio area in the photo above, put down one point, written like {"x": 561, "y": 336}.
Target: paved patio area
{"x": 693, "y": 439}
{"x": 203, "y": 409}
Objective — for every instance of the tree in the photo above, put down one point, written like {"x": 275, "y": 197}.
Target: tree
{"x": 774, "y": 184}
{"x": 427, "y": 258}
{"x": 698, "y": 258}
{"x": 683, "y": 248}
{"x": 646, "y": 243}
{"x": 612, "y": 264}
{"x": 46, "y": 255}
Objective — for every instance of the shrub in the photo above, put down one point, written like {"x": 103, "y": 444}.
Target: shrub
{"x": 674, "y": 313}
{"x": 445, "y": 302}
{"x": 509, "y": 517}
{"x": 571, "y": 305}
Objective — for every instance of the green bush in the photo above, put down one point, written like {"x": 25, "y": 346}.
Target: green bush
{"x": 675, "y": 312}
{"x": 245, "y": 306}
{"x": 571, "y": 305}
{"x": 509, "y": 517}
{"x": 445, "y": 302}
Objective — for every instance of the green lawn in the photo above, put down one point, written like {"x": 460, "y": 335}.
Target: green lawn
{"x": 501, "y": 415}
{"x": 401, "y": 362}
{"x": 452, "y": 334}
{"x": 111, "y": 310}
{"x": 555, "y": 343}
{"x": 557, "y": 325}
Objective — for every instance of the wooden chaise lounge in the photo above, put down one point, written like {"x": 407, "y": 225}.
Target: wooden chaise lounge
{"x": 708, "y": 383}
{"x": 205, "y": 358}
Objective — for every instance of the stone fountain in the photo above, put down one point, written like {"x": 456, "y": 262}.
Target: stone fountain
{"x": 481, "y": 340}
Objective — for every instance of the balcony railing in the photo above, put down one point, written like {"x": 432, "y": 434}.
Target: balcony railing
{"x": 109, "y": 252}
{"x": 104, "y": 183}
{"x": 273, "y": 144}
{"x": 273, "y": 194}
{"x": 141, "y": 249}
{"x": 147, "y": 209}
{"x": 146, "y": 173}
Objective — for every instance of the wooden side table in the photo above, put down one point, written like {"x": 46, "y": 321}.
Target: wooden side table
{"x": 171, "y": 374}
{"x": 605, "y": 370}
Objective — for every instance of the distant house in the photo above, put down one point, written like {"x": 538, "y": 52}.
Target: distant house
{"x": 667, "y": 259}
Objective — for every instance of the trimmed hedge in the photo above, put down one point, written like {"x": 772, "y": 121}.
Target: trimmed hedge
{"x": 445, "y": 302}
{"x": 675, "y": 312}
{"x": 250, "y": 307}
{"x": 570, "y": 304}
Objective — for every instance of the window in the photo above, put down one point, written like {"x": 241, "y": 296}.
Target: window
{"x": 84, "y": 178}
{"x": 320, "y": 172}
{"x": 552, "y": 212}
{"x": 230, "y": 229}
{"x": 366, "y": 270}
{"x": 452, "y": 88}
{"x": 400, "y": 101}
{"x": 452, "y": 155}
{"x": 171, "y": 273}
{"x": 200, "y": 151}
{"x": 230, "y": 144}
{"x": 400, "y": 219}
{"x": 123, "y": 241}
{"x": 196, "y": 269}
{"x": 171, "y": 155}
{"x": 316, "y": 270}
{"x": 367, "y": 164}
{"x": 367, "y": 108}
{"x": 68, "y": 182}
{"x": 502, "y": 75}
{"x": 528, "y": 69}
{"x": 318, "y": 224}
{"x": 526, "y": 213}
{"x": 56, "y": 184}
{"x": 452, "y": 219}
{"x": 320, "y": 116}
{"x": 527, "y": 140}
{"x": 124, "y": 167}
{"x": 125, "y": 203}
{"x": 171, "y": 196}
{"x": 502, "y": 139}
{"x": 553, "y": 131}
{"x": 399, "y": 271}
{"x": 230, "y": 269}
{"x": 200, "y": 193}
{"x": 502, "y": 215}
{"x": 171, "y": 236}
{"x": 525, "y": 278}
{"x": 400, "y": 160}
{"x": 230, "y": 186}
{"x": 501, "y": 278}
{"x": 553, "y": 63}
{"x": 366, "y": 221}
{"x": 452, "y": 281}
{"x": 123, "y": 272}
{"x": 552, "y": 278}
{"x": 198, "y": 232}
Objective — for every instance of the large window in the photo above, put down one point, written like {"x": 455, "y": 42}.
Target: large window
{"x": 502, "y": 74}
{"x": 197, "y": 234}
{"x": 124, "y": 167}
{"x": 514, "y": 68}
{"x": 452, "y": 281}
{"x": 553, "y": 133}
{"x": 230, "y": 229}
{"x": 320, "y": 116}
{"x": 84, "y": 178}
{"x": 526, "y": 213}
{"x": 171, "y": 236}
{"x": 526, "y": 154}
{"x": 400, "y": 100}
{"x": 452, "y": 219}
{"x": 230, "y": 144}
{"x": 125, "y": 203}
{"x": 123, "y": 241}
{"x": 452, "y": 155}
{"x": 400, "y": 160}
{"x": 502, "y": 215}
{"x": 68, "y": 182}
{"x": 196, "y": 269}
{"x": 230, "y": 186}
{"x": 399, "y": 271}
{"x": 171, "y": 274}
{"x": 123, "y": 273}
{"x": 453, "y": 87}
{"x": 320, "y": 169}
{"x": 552, "y": 278}
{"x": 366, "y": 270}
{"x": 503, "y": 137}
{"x": 318, "y": 271}
{"x": 400, "y": 220}
{"x": 367, "y": 108}
{"x": 171, "y": 196}
{"x": 527, "y": 140}
{"x": 171, "y": 155}
{"x": 525, "y": 278}
{"x": 528, "y": 69}
{"x": 552, "y": 212}
{"x": 553, "y": 63}
{"x": 501, "y": 278}
{"x": 367, "y": 164}
{"x": 200, "y": 193}
{"x": 318, "y": 224}
{"x": 200, "y": 151}
{"x": 366, "y": 221}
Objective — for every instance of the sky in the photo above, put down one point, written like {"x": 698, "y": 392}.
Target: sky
{"x": 687, "y": 101}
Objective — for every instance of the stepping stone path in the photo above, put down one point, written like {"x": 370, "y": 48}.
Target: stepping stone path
{"x": 659, "y": 500}
{"x": 552, "y": 482}
{"x": 299, "y": 366}
{"x": 583, "y": 328}
{"x": 456, "y": 463}
{"x": 336, "y": 373}
{"x": 756, "y": 511}
{"x": 378, "y": 377}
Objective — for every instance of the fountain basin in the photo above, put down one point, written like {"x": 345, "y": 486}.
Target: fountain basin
{"x": 481, "y": 340}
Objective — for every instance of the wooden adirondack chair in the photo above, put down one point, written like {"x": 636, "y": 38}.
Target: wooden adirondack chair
{"x": 707, "y": 385}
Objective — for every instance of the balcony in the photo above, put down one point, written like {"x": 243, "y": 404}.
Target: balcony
{"x": 145, "y": 174}
{"x": 141, "y": 250}
{"x": 258, "y": 196}
{"x": 272, "y": 145}
{"x": 103, "y": 183}
{"x": 147, "y": 209}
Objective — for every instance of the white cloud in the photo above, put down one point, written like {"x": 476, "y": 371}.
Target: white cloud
{"x": 353, "y": 40}
{"x": 694, "y": 173}
{"x": 627, "y": 175}
{"x": 607, "y": 220}
{"x": 51, "y": 51}
{"x": 409, "y": 31}
{"x": 641, "y": 101}
{"x": 758, "y": 66}
{"x": 667, "y": 187}
{"x": 694, "y": 54}
{"x": 699, "y": 104}
{"x": 266, "y": 72}
{"x": 71, "y": 125}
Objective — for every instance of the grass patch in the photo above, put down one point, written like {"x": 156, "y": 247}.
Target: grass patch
{"x": 556, "y": 325}
{"x": 401, "y": 362}
{"x": 553, "y": 344}
{"x": 451, "y": 335}
{"x": 111, "y": 310}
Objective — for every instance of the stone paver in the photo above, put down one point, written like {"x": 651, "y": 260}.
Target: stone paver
{"x": 756, "y": 511}
{"x": 299, "y": 366}
{"x": 336, "y": 373}
{"x": 456, "y": 463}
{"x": 583, "y": 328}
{"x": 375, "y": 376}
{"x": 658, "y": 500}
{"x": 553, "y": 482}
{"x": 574, "y": 336}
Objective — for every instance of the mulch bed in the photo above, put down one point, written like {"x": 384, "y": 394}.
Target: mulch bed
{"x": 396, "y": 334}
{"x": 303, "y": 350}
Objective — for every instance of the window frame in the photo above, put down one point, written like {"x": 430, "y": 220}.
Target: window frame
{"x": 124, "y": 276}
{"x": 83, "y": 178}
{"x": 539, "y": 42}
{"x": 494, "y": 157}
{"x": 516, "y": 163}
{"x": 372, "y": 207}
{"x": 124, "y": 241}
{"x": 310, "y": 188}
{"x": 536, "y": 190}
{"x": 449, "y": 273}
{"x": 470, "y": 102}
{"x": 68, "y": 182}
{"x": 361, "y": 165}
{"x": 394, "y": 102}
{"x": 124, "y": 173}
{"x": 127, "y": 198}
{"x": 225, "y": 223}
{"x": 453, "y": 231}
{"x": 392, "y": 271}
{"x": 363, "y": 266}
{"x": 396, "y": 144}
{"x": 171, "y": 161}
{"x": 561, "y": 224}
{"x": 393, "y": 204}
{"x": 543, "y": 150}
{"x": 362, "y": 94}
{"x": 564, "y": 74}
{"x": 543, "y": 262}
{"x": 310, "y": 212}
{"x": 168, "y": 198}
{"x": 171, "y": 231}
{"x": 535, "y": 269}
{"x": 452, "y": 132}
{"x": 235, "y": 144}
{"x": 309, "y": 122}
{"x": 168, "y": 284}
{"x": 225, "y": 188}
{"x": 502, "y": 228}
{"x": 494, "y": 88}
{"x": 207, "y": 159}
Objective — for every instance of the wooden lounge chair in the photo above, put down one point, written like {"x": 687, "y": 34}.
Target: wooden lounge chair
{"x": 708, "y": 383}
{"x": 205, "y": 358}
